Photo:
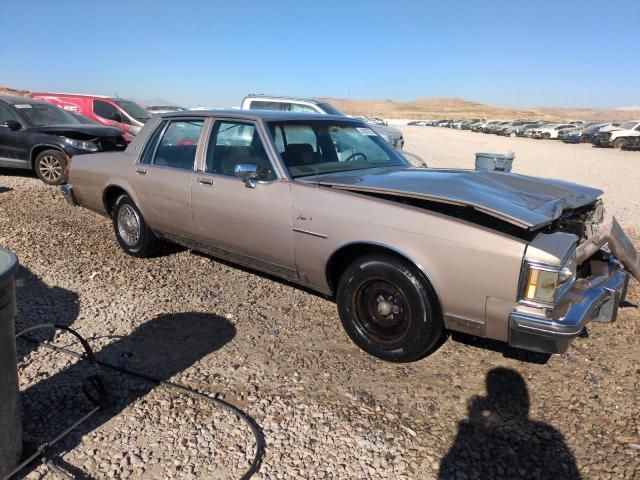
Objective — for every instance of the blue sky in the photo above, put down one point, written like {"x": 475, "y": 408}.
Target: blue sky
{"x": 209, "y": 53}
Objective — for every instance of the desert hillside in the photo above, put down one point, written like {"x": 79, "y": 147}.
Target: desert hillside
{"x": 426, "y": 108}
{"x": 435, "y": 107}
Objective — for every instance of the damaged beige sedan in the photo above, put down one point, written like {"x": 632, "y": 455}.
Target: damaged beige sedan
{"x": 407, "y": 253}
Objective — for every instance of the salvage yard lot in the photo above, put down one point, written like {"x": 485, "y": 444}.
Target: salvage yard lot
{"x": 326, "y": 409}
{"x": 614, "y": 171}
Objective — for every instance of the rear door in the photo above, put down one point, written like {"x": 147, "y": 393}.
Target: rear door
{"x": 252, "y": 226}
{"x": 164, "y": 175}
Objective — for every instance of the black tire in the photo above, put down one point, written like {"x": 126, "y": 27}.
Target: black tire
{"x": 51, "y": 167}
{"x": 132, "y": 232}
{"x": 546, "y": 136}
{"x": 378, "y": 287}
{"x": 585, "y": 139}
{"x": 619, "y": 142}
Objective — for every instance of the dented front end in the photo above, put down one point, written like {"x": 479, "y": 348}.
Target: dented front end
{"x": 568, "y": 281}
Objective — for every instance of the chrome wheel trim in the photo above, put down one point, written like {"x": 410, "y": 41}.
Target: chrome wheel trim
{"x": 50, "y": 168}
{"x": 129, "y": 227}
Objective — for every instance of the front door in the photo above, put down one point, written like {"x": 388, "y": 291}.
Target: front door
{"x": 247, "y": 225}
{"x": 12, "y": 142}
{"x": 164, "y": 175}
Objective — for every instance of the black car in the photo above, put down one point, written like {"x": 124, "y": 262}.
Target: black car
{"x": 632, "y": 145}
{"x": 39, "y": 136}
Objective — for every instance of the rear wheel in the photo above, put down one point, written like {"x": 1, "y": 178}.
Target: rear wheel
{"x": 50, "y": 167}
{"x": 388, "y": 309}
{"x": 132, "y": 232}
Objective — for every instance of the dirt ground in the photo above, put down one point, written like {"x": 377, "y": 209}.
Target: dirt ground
{"x": 473, "y": 409}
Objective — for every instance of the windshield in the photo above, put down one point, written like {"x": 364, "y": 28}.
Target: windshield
{"x": 628, "y": 125}
{"x": 320, "y": 146}
{"x": 330, "y": 109}
{"x": 135, "y": 110}
{"x": 40, "y": 114}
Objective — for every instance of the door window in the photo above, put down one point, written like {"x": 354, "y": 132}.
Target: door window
{"x": 106, "y": 111}
{"x": 6, "y": 114}
{"x": 177, "y": 148}
{"x": 232, "y": 143}
{"x": 264, "y": 105}
{"x": 302, "y": 108}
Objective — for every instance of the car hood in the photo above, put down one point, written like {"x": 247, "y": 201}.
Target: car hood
{"x": 80, "y": 132}
{"x": 528, "y": 202}
{"x": 390, "y": 132}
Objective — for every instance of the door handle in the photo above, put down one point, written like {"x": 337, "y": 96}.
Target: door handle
{"x": 141, "y": 171}
{"x": 205, "y": 181}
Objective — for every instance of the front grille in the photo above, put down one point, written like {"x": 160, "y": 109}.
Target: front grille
{"x": 115, "y": 144}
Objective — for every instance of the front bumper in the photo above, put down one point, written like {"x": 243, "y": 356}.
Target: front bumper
{"x": 67, "y": 191}
{"x": 590, "y": 300}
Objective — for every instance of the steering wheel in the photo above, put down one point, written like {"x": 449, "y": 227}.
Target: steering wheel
{"x": 353, "y": 156}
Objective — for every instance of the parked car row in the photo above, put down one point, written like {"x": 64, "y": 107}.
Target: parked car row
{"x": 44, "y": 132}
{"x": 600, "y": 134}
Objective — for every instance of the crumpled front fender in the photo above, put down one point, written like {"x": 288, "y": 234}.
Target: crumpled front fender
{"x": 618, "y": 243}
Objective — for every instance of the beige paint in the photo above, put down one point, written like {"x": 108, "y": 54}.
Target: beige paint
{"x": 292, "y": 228}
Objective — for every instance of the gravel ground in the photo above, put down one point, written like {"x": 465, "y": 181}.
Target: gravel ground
{"x": 472, "y": 409}
{"x": 614, "y": 171}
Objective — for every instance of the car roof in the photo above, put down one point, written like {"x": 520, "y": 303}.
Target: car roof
{"x": 13, "y": 100}
{"x": 258, "y": 114}
{"x": 286, "y": 98}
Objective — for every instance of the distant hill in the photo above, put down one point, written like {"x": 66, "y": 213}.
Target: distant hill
{"x": 13, "y": 92}
{"x": 436, "y": 107}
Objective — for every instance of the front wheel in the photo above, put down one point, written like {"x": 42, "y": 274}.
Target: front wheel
{"x": 50, "y": 167}
{"x": 619, "y": 142}
{"x": 132, "y": 232}
{"x": 388, "y": 309}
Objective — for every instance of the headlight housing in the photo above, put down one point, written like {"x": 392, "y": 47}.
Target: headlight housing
{"x": 81, "y": 144}
{"x": 544, "y": 284}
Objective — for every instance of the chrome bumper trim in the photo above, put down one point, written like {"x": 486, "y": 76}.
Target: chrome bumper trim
{"x": 67, "y": 191}
{"x": 598, "y": 303}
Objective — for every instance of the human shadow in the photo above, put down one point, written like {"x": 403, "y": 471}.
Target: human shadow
{"x": 160, "y": 348}
{"x": 500, "y": 441}
{"x": 39, "y": 303}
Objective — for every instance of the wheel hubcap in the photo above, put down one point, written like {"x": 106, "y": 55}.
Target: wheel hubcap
{"x": 129, "y": 225}
{"x": 50, "y": 168}
{"x": 382, "y": 311}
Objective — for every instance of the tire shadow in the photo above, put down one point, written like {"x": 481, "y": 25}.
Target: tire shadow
{"x": 38, "y": 303}
{"x": 161, "y": 348}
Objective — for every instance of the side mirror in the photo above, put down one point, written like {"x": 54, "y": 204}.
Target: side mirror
{"x": 116, "y": 117}
{"x": 247, "y": 172}
{"x": 12, "y": 125}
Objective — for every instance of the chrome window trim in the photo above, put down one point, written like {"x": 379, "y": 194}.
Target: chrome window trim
{"x": 561, "y": 289}
{"x": 256, "y": 124}
{"x": 164, "y": 125}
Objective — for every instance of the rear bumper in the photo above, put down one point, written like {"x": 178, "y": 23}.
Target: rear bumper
{"x": 594, "y": 301}
{"x": 67, "y": 191}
